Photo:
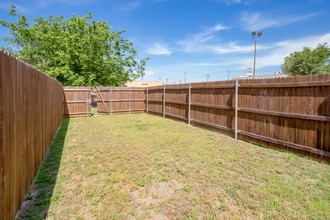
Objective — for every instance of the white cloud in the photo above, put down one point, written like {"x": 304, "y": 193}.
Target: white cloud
{"x": 207, "y": 41}
{"x": 132, "y": 5}
{"x": 208, "y": 64}
{"x": 136, "y": 4}
{"x": 281, "y": 49}
{"x": 158, "y": 49}
{"x": 229, "y": 2}
{"x": 232, "y": 47}
{"x": 149, "y": 73}
{"x": 258, "y": 21}
{"x": 19, "y": 8}
{"x": 197, "y": 42}
{"x": 44, "y": 4}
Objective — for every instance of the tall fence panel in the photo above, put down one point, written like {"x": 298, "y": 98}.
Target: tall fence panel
{"x": 120, "y": 100}
{"x": 31, "y": 110}
{"x": 77, "y": 101}
{"x": 291, "y": 113}
{"x": 155, "y": 100}
{"x": 212, "y": 105}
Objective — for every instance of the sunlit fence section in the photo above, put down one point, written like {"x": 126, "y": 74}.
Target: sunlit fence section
{"x": 31, "y": 111}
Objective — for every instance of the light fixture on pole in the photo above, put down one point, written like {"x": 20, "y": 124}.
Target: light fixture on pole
{"x": 256, "y": 36}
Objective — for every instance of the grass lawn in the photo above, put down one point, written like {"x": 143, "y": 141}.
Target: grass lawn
{"x": 146, "y": 167}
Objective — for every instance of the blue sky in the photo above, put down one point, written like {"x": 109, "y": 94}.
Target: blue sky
{"x": 200, "y": 37}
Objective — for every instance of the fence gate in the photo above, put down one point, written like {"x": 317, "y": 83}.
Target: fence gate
{"x": 120, "y": 100}
{"x": 77, "y": 101}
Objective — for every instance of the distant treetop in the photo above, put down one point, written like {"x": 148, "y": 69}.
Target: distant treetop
{"x": 308, "y": 61}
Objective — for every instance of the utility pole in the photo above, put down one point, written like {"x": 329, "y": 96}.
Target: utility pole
{"x": 207, "y": 77}
{"x": 254, "y": 33}
{"x": 180, "y": 81}
{"x": 166, "y": 81}
{"x": 185, "y": 77}
{"x": 160, "y": 79}
{"x": 228, "y": 74}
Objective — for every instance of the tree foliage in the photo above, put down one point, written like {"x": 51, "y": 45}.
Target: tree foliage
{"x": 308, "y": 61}
{"x": 75, "y": 51}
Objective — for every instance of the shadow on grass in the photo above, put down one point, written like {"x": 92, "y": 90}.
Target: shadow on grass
{"x": 40, "y": 194}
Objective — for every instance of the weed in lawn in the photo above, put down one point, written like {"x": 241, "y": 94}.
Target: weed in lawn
{"x": 187, "y": 187}
{"x": 189, "y": 215}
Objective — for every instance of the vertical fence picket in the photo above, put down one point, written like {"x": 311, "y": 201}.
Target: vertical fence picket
{"x": 111, "y": 98}
{"x": 87, "y": 102}
{"x": 189, "y": 103}
{"x": 164, "y": 101}
{"x": 147, "y": 98}
{"x": 129, "y": 99}
{"x": 236, "y": 108}
{"x": 109, "y": 94}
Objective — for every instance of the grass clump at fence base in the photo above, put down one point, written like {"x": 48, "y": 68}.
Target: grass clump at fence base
{"x": 147, "y": 167}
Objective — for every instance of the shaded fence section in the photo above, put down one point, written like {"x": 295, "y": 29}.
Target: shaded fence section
{"x": 120, "y": 100}
{"x": 291, "y": 113}
{"x": 31, "y": 110}
{"x": 77, "y": 101}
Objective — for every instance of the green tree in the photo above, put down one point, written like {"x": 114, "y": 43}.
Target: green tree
{"x": 76, "y": 51}
{"x": 308, "y": 61}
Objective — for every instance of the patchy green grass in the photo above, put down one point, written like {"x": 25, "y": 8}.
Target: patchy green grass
{"x": 147, "y": 167}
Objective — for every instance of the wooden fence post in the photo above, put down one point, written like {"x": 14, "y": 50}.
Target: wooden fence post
{"x": 189, "y": 102}
{"x": 87, "y": 101}
{"x": 129, "y": 100}
{"x": 164, "y": 101}
{"x": 111, "y": 93}
{"x": 147, "y": 100}
{"x": 109, "y": 99}
{"x": 236, "y": 107}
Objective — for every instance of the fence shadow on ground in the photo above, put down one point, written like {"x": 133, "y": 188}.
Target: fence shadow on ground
{"x": 40, "y": 195}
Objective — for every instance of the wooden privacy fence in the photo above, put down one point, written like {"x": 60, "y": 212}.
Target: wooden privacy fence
{"x": 291, "y": 112}
{"x": 120, "y": 100}
{"x": 77, "y": 101}
{"x": 31, "y": 111}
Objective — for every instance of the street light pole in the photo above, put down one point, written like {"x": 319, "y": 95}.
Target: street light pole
{"x": 254, "y": 33}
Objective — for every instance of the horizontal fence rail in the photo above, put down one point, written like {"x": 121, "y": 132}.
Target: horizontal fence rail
{"x": 31, "y": 111}
{"x": 77, "y": 101}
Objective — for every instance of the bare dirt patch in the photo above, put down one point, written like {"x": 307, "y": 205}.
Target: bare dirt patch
{"x": 148, "y": 197}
